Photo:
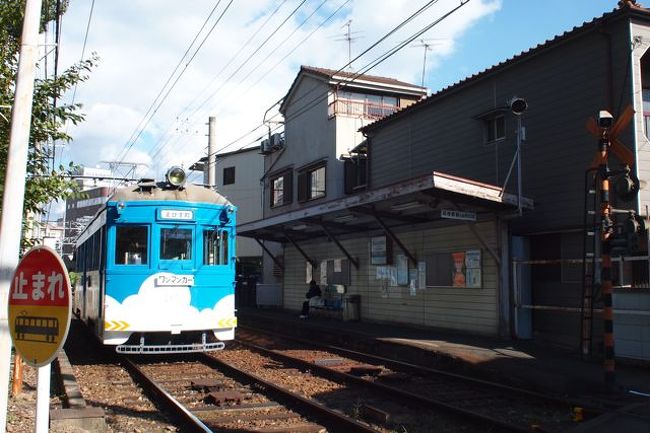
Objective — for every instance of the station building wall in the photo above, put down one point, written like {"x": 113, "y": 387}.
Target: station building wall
{"x": 471, "y": 310}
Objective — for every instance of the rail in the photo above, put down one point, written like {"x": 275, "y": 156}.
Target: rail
{"x": 403, "y": 395}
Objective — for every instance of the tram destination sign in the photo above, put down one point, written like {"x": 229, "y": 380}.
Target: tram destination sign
{"x": 39, "y": 306}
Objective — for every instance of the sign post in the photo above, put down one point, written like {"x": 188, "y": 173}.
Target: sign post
{"x": 39, "y": 317}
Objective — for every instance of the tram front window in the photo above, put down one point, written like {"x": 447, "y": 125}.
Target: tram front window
{"x": 215, "y": 247}
{"x": 131, "y": 245}
{"x": 175, "y": 244}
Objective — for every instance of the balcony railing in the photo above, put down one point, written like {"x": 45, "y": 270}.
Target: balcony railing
{"x": 368, "y": 110}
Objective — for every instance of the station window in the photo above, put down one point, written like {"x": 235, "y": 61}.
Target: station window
{"x": 131, "y": 245}
{"x": 175, "y": 244}
{"x": 215, "y": 247}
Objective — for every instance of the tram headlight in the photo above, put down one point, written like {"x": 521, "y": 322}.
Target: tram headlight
{"x": 176, "y": 176}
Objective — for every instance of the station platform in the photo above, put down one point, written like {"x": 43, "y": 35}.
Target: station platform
{"x": 522, "y": 363}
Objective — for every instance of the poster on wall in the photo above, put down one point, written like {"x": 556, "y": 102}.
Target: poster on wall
{"x": 402, "y": 270}
{"x": 473, "y": 268}
{"x": 458, "y": 279}
{"x": 309, "y": 273}
{"x": 379, "y": 251}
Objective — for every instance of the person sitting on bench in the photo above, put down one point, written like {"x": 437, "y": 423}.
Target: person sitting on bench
{"x": 312, "y": 293}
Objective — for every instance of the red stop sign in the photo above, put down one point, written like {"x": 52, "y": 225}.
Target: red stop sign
{"x": 39, "y": 305}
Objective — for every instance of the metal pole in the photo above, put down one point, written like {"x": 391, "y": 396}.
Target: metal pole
{"x": 14, "y": 194}
{"x": 519, "y": 165}
{"x": 607, "y": 232}
{"x": 43, "y": 398}
{"x": 212, "y": 142}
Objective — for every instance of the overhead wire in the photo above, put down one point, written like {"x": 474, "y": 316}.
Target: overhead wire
{"x": 266, "y": 40}
{"x": 321, "y": 24}
{"x": 173, "y": 85}
{"x": 307, "y": 106}
{"x": 273, "y": 51}
{"x": 311, "y": 103}
{"x": 241, "y": 65}
{"x": 81, "y": 57}
{"x": 241, "y": 50}
{"x": 180, "y": 62}
{"x": 160, "y": 145}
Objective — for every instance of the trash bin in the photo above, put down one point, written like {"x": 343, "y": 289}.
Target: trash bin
{"x": 352, "y": 307}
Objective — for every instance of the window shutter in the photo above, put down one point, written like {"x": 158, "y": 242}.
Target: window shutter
{"x": 288, "y": 187}
{"x": 303, "y": 186}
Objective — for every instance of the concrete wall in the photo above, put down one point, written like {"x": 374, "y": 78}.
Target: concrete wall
{"x": 245, "y": 193}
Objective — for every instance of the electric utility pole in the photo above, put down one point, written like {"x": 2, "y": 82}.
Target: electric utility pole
{"x": 14, "y": 193}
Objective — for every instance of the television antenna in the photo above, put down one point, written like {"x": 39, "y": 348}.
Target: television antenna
{"x": 427, "y": 44}
{"x": 349, "y": 37}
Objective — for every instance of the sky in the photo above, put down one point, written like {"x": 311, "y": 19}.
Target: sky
{"x": 149, "y": 98}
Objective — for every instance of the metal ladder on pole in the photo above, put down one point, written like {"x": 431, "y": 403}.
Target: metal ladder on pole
{"x": 590, "y": 249}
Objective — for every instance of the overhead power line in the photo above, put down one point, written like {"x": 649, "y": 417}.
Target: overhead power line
{"x": 243, "y": 63}
{"x": 161, "y": 99}
{"x": 318, "y": 98}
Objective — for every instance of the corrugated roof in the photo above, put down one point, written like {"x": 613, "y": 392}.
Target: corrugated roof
{"x": 625, "y": 7}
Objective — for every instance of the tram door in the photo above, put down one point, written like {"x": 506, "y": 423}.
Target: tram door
{"x": 176, "y": 247}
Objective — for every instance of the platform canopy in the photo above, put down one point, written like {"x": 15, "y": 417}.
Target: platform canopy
{"x": 434, "y": 198}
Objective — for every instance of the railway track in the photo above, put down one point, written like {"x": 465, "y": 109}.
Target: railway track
{"x": 207, "y": 395}
{"x": 503, "y": 407}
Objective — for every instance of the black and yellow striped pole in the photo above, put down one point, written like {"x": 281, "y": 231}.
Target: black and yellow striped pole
{"x": 606, "y": 266}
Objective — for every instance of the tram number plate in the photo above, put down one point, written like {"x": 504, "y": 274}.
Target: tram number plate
{"x": 175, "y": 280}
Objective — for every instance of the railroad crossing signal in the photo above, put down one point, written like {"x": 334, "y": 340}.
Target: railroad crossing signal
{"x": 39, "y": 306}
{"x": 607, "y": 131}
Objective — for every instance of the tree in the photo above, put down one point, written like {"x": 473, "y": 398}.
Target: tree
{"x": 44, "y": 183}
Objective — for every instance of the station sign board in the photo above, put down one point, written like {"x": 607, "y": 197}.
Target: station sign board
{"x": 457, "y": 215}
{"x": 39, "y": 306}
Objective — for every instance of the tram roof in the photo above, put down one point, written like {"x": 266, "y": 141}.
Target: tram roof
{"x": 191, "y": 193}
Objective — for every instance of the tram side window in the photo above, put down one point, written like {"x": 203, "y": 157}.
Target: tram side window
{"x": 80, "y": 258}
{"x": 175, "y": 244}
{"x": 215, "y": 247}
{"x": 131, "y": 245}
{"x": 94, "y": 251}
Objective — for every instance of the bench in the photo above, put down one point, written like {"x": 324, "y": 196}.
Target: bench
{"x": 329, "y": 305}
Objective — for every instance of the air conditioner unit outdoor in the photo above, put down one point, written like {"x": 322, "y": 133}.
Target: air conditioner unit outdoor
{"x": 265, "y": 147}
{"x": 277, "y": 141}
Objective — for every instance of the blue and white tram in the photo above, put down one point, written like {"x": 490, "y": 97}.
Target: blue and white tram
{"x": 157, "y": 268}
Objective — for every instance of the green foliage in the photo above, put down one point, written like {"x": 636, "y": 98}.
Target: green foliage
{"x": 43, "y": 183}
{"x": 74, "y": 278}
